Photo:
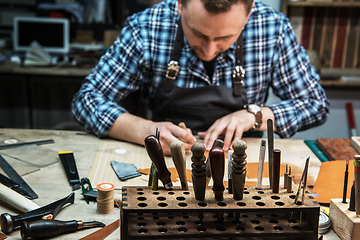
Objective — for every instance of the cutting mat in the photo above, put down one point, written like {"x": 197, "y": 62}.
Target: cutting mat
{"x": 109, "y": 150}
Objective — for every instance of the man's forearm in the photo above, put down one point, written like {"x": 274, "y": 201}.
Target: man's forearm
{"x": 131, "y": 128}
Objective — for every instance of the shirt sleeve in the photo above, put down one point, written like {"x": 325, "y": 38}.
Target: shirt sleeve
{"x": 295, "y": 81}
{"x": 119, "y": 71}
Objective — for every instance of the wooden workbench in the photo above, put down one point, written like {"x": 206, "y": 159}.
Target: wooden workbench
{"x": 41, "y": 168}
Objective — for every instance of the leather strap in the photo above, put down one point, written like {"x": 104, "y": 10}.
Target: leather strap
{"x": 238, "y": 72}
{"x": 103, "y": 232}
{"x": 3, "y": 236}
{"x": 173, "y": 66}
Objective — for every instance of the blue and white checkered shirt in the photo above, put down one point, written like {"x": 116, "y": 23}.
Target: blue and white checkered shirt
{"x": 138, "y": 60}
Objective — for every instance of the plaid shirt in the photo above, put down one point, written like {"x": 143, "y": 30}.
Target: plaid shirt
{"x": 138, "y": 61}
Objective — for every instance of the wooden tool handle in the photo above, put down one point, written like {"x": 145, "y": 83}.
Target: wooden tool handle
{"x": 47, "y": 228}
{"x": 276, "y": 170}
{"x": 217, "y": 164}
{"x": 156, "y": 155}
{"x": 178, "y": 155}
{"x": 16, "y": 200}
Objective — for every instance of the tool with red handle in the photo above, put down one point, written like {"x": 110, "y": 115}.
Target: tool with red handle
{"x": 351, "y": 118}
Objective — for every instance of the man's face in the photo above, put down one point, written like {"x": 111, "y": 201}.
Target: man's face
{"x": 210, "y": 34}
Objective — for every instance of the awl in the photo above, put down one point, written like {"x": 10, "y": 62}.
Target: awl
{"x": 51, "y": 228}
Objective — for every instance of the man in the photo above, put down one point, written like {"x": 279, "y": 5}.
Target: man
{"x": 198, "y": 77}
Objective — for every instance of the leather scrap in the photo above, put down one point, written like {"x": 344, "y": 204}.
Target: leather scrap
{"x": 124, "y": 171}
{"x": 3, "y": 236}
{"x": 103, "y": 232}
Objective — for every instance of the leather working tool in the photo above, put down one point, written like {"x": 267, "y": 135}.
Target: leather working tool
{"x": 9, "y": 222}
{"x": 217, "y": 143}
{"x": 156, "y": 155}
{"x": 302, "y": 184}
{"x": 68, "y": 161}
{"x": 178, "y": 155}
{"x": 104, "y": 232}
{"x": 16, "y": 200}
{"x": 87, "y": 191}
{"x": 6, "y": 146}
{"x": 51, "y": 228}
{"x": 10, "y": 171}
{"x": 13, "y": 185}
{"x": 270, "y": 132}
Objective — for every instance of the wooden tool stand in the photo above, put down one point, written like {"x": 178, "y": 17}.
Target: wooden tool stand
{"x": 167, "y": 214}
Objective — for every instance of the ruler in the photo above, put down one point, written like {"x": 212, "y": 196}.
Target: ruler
{"x": 6, "y": 146}
{"x": 10, "y": 171}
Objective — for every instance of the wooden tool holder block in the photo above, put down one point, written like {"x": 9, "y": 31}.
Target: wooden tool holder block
{"x": 167, "y": 214}
{"x": 345, "y": 223}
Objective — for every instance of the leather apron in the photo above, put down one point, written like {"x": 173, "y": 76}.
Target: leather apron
{"x": 198, "y": 107}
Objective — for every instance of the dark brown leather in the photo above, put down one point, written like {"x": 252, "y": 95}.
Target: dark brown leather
{"x": 103, "y": 232}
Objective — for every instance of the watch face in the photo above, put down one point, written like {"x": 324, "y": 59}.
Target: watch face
{"x": 254, "y": 108}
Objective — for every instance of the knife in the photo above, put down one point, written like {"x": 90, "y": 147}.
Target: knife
{"x": 51, "y": 228}
{"x": 10, "y": 171}
{"x": 104, "y": 232}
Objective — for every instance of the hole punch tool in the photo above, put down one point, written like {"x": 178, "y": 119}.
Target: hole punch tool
{"x": 87, "y": 191}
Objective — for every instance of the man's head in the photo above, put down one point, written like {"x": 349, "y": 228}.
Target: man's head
{"x": 212, "y": 26}
{"x": 219, "y": 6}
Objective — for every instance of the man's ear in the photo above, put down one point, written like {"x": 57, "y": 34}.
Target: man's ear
{"x": 179, "y": 8}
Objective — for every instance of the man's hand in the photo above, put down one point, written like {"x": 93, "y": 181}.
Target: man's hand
{"x": 169, "y": 132}
{"x": 134, "y": 129}
{"x": 232, "y": 126}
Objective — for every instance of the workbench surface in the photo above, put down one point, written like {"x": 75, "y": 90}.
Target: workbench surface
{"x": 42, "y": 169}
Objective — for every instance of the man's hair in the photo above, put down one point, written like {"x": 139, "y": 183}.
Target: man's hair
{"x": 221, "y": 6}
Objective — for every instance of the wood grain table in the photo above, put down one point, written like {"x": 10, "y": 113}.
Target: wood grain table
{"x": 41, "y": 168}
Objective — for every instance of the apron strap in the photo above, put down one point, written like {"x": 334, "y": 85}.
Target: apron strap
{"x": 173, "y": 65}
{"x": 238, "y": 72}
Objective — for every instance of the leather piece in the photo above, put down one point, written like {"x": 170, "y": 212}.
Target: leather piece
{"x": 124, "y": 171}
{"x": 103, "y": 232}
{"x": 3, "y": 236}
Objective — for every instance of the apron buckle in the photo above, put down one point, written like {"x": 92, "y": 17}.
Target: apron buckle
{"x": 172, "y": 70}
{"x": 238, "y": 71}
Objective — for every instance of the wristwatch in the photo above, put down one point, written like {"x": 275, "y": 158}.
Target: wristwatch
{"x": 256, "y": 110}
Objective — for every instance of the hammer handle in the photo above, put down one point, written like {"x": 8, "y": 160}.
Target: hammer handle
{"x": 16, "y": 200}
